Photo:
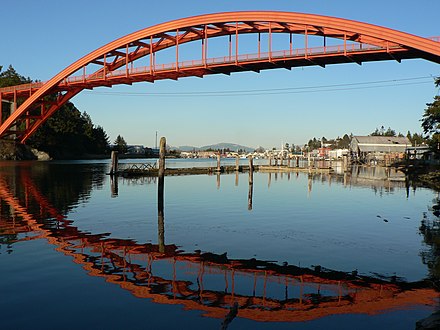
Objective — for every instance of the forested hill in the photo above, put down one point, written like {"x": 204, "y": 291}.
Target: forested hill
{"x": 67, "y": 134}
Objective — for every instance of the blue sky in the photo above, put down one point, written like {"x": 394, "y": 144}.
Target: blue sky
{"x": 40, "y": 38}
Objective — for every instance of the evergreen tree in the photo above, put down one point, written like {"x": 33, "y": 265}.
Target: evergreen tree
{"x": 416, "y": 139}
{"x": 431, "y": 123}
{"x": 67, "y": 133}
{"x": 313, "y": 144}
{"x": 383, "y": 132}
{"x": 120, "y": 144}
{"x": 100, "y": 140}
{"x": 10, "y": 77}
{"x": 390, "y": 132}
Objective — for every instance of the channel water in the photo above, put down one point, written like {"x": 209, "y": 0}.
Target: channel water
{"x": 297, "y": 250}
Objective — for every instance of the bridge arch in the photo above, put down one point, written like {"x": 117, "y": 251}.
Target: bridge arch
{"x": 113, "y": 62}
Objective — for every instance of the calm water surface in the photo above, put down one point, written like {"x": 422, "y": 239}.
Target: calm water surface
{"x": 297, "y": 250}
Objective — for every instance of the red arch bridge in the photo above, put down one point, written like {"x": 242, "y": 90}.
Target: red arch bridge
{"x": 308, "y": 40}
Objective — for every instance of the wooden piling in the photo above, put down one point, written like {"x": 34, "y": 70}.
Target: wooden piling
{"x": 162, "y": 151}
{"x": 218, "y": 162}
{"x": 114, "y": 161}
{"x": 237, "y": 163}
{"x": 345, "y": 163}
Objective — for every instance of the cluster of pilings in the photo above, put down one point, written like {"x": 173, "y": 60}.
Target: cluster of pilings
{"x": 275, "y": 165}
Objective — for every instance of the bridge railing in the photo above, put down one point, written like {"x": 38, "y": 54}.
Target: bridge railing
{"x": 22, "y": 87}
{"x": 283, "y": 54}
{"x": 263, "y": 56}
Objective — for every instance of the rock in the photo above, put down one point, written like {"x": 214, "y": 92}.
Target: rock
{"x": 10, "y": 150}
{"x": 41, "y": 155}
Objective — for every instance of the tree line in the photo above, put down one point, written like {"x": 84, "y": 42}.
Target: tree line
{"x": 68, "y": 133}
{"x": 431, "y": 121}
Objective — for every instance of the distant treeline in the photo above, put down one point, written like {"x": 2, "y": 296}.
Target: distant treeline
{"x": 344, "y": 142}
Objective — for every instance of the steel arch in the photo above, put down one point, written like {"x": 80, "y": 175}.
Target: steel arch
{"x": 121, "y": 52}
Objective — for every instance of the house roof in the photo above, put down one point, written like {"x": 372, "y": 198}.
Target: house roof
{"x": 382, "y": 140}
{"x": 382, "y": 143}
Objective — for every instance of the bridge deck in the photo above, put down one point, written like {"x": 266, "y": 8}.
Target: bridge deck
{"x": 352, "y": 53}
{"x": 114, "y": 63}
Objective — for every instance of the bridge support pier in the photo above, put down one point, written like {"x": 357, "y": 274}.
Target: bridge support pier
{"x": 10, "y": 111}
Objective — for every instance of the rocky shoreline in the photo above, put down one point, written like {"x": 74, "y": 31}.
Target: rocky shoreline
{"x": 10, "y": 150}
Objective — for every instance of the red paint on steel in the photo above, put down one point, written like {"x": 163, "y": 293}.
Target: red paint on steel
{"x": 202, "y": 28}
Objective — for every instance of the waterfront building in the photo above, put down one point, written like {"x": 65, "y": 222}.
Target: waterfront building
{"x": 374, "y": 149}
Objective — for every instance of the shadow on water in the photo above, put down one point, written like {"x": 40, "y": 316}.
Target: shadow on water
{"x": 213, "y": 283}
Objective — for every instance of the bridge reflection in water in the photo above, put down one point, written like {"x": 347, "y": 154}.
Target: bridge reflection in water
{"x": 212, "y": 283}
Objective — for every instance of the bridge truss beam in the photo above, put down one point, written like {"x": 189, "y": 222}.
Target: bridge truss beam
{"x": 123, "y": 60}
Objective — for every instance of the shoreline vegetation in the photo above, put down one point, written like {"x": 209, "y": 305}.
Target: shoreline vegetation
{"x": 9, "y": 150}
{"x": 422, "y": 174}
{"x": 72, "y": 135}
{"x": 419, "y": 173}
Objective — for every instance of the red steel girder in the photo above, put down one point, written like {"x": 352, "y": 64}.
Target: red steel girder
{"x": 149, "y": 41}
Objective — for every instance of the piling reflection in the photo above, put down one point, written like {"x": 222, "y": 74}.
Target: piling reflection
{"x": 251, "y": 190}
{"x": 114, "y": 186}
{"x": 160, "y": 195}
{"x": 212, "y": 283}
{"x": 380, "y": 180}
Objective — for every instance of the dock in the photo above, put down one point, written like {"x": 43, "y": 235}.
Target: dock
{"x": 159, "y": 169}
{"x": 153, "y": 171}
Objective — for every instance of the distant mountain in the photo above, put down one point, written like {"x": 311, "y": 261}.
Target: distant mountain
{"x": 187, "y": 148}
{"x": 230, "y": 146}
